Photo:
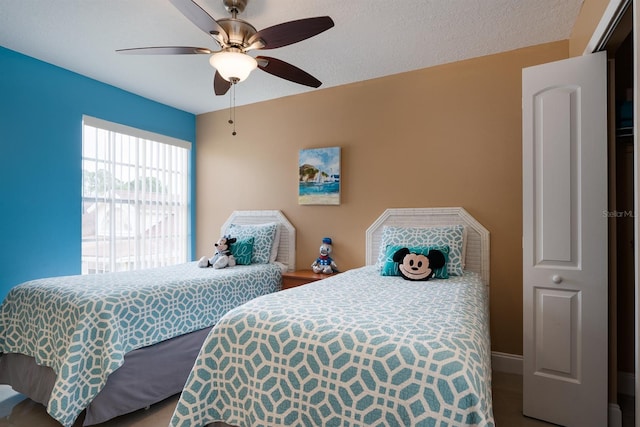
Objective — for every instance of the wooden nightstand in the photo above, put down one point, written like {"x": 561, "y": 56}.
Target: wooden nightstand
{"x": 292, "y": 279}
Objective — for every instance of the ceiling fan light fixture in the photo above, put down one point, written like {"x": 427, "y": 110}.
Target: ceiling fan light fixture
{"x": 233, "y": 66}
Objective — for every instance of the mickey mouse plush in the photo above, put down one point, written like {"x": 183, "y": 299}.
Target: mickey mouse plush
{"x": 413, "y": 266}
{"x": 223, "y": 257}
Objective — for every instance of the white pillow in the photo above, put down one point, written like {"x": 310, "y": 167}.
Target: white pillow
{"x": 275, "y": 245}
{"x": 264, "y": 237}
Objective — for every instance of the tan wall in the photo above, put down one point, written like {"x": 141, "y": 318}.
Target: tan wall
{"x": 588, "y": 19}
{"x": 443, "y": 136}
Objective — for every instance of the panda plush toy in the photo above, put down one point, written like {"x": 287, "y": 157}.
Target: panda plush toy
{"x": 413, "y": 266}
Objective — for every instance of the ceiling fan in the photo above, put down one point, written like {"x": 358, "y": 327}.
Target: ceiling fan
{"x": 237, "y": 37}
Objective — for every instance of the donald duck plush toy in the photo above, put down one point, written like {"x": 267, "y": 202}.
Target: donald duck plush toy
{"x": 324, "y": 263}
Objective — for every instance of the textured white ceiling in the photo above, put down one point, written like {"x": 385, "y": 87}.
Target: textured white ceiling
{"x": 371, "y": 38}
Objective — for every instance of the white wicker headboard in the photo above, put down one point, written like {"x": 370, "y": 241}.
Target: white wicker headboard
{"x": 477, "y": 242}
{"x": 287, "y": 245}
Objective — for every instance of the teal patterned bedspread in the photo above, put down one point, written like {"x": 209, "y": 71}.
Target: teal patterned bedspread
{"x": 82, "y": 326}
{"x": 356, "y": 349}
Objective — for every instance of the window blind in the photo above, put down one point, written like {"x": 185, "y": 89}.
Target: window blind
{"x": 134, "y": 198}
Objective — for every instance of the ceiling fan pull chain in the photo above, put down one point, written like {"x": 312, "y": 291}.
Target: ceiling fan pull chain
{"x": 232, "y": 108}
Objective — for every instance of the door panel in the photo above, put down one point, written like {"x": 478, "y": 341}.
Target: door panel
{"x": 554, "y": 124}
{"x": 565, "y": 241}
{"x": 557, "y": 328}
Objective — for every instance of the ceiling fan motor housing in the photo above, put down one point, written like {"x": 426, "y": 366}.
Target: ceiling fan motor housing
{"x": 239, "y": 32}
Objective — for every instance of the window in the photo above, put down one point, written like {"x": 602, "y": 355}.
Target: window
{"x": 134, "y": 198}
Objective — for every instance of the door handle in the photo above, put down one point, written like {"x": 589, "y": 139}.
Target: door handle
{"x": 556, "y": 279}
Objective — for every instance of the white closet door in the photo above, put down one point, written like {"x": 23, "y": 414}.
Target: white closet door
{"x": 565, "y": 241}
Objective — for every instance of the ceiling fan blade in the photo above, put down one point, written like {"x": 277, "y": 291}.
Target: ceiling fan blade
{"x": 287, "y": 71}
{"x": 291, "y": 32}
{"x": 201, "y": 19}
{"x": 220, "y": 85}
{"x": 165, "y": 50}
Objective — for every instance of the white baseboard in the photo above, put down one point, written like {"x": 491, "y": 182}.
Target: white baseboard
{"x": 507, "y": 363}
{"x": 512, "y": 364}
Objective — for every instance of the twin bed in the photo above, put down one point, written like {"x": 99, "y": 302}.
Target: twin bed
{"x": 109, "y": 344}
{"x": 358, "y": 348}
{"x": 363, "y": 347}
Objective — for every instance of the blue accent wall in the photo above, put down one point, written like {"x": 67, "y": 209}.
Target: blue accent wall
{"x": 41, "y": 109}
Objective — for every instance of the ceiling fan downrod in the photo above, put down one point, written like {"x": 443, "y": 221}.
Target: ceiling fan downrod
{"x": 235, "y": 7}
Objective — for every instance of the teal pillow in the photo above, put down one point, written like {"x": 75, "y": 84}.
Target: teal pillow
{"x": 390, "y": 268}
{"x": 242, "y": 250}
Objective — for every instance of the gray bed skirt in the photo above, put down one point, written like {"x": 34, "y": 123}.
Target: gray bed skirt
{"x": 147, "y": 376}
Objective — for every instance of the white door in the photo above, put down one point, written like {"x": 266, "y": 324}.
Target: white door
{"x": 565, "y": 241}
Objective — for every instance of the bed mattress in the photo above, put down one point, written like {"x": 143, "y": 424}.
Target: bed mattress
{"x": 354, "y": 349}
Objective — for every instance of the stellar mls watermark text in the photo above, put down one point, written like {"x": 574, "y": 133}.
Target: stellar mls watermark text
{"x": 618, "y": 214}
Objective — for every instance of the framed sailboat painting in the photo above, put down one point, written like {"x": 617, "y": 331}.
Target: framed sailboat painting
{"x": 319, "y": 176}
